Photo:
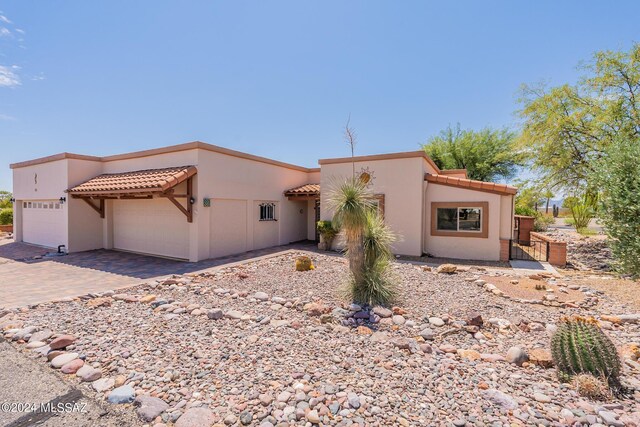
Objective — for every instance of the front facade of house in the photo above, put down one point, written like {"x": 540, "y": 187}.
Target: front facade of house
{"x": 197, "y": 201}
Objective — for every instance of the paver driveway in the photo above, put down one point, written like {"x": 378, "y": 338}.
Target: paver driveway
{"x": 26, "y": 277}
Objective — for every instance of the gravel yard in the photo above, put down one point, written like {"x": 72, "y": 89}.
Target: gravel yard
{"x": 262, "y": 344}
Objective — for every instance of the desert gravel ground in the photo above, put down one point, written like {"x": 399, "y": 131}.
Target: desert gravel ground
{"x": 262, "y": 344}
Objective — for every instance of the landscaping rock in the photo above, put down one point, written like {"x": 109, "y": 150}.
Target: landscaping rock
{"x": 517, "y": 355}
{"x": 215, "y": 314}
{"x": 61, "y": 342}
{"x": 500, "y": 399}
{"x": 122, "y": 394}
{"x": 541, "y": 357}
{"x": 72, "y": 367}
{"x": 382, "y": 312}
{"x": 446, "y": 269}
{"x": 88, "y": 373}
{"x": 149, "y": 407}
{"x": 196, "y": 417}
{"x": 103, "y": 384}
{"x": 63, "y": 359}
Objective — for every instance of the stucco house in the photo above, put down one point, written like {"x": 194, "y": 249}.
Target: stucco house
{"x": 196, "y": 201}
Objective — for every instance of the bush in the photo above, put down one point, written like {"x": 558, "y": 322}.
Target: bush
{"x": 6, "y": 216}
{"x": 579, "y": 346}
{"x": 542, "y": 222}
{"x": 618, "y": 177}
{"x": 326, "y": 229}
{"x": 526, "y": 211}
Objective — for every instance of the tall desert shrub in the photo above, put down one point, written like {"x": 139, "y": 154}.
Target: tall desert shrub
{"x": 618, "y": 178}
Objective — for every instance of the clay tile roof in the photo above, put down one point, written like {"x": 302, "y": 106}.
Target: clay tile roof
{"x": 304, "y": 190}
{"x": 149, "y": 180}
{"x": 490, "y": 187}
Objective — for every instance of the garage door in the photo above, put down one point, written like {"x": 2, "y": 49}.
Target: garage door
{"x": 153, "y": 227}
{"x": 43, "y": 223}
{"x": 228, "y": 227}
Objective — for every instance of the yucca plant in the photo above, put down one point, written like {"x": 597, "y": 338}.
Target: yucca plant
{"x": 380, "y": 288}
{"x": 350, "y": 201}
{"x": 367, "y": 242}
{"x": 579, "y": 346}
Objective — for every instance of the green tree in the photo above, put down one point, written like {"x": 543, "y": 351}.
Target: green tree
{"x": 617, "y": 174}
{"x": 5, "y": 199}
{"x": 487, "y": 155}
{"x": 568, "y": 128}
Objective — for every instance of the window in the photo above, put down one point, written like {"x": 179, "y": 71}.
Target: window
{"x": 267, "y": 211}
{"x": 24, "y": 204}
{"x": 460, "y": 219}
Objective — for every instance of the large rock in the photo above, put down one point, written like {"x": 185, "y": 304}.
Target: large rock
{"x": 541, "y": 357}
{"x": 103, "y": 384}
{"x": 42, "y": 335}
{"x": 261, "y": 296}
{"x": 150, "y": 407}
{"x": 62, "y": 341}
{"x": 234, "y": 314}
{"x": 122, "y": 394}
{"x": 500, "y": 399}
{"x": 446, "y": 269}
{"x": 474, "y": 319}
{"x": 196, "y": 417}
{"x": 215, "y": 314}
{"x": 316, "y": 309}
{"x": 468, "y": 354}
{"x": 72, "y": 367}
{"x": 88, "y": 373}
{"x": 517, "y": 355}
{"x": 61, "y": 360}
{"x": 382, "y": 311}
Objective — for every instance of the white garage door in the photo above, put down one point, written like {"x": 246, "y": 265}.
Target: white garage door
{"x": 153, "y": 227}
{"x": 43, "y": 223}
{"x": 228, "y": 227}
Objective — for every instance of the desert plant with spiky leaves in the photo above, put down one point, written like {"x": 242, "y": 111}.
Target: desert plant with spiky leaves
{"x": 350, "y": 201}
{"x": 579, "y": 346}
{"x": 368, "y": 242}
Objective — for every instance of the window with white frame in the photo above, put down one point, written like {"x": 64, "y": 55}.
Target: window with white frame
{"x": 267, "y": 211}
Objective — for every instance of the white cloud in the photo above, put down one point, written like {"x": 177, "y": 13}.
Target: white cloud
{"x": 39, "y": 77}
{"x": 4, "y": 19}
{"x": 7, "y": 118}
{"x": 8, "y": 76}
{"x": 20, "y": 30}
{"x": 4, "y": 32}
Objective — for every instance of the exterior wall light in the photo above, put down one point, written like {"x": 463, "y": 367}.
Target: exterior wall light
{"x": 63, "y": 199}
{"x": 192, "y": 200}
{"x": 12, "y": 200}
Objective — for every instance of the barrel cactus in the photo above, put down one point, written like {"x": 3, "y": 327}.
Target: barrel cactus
{"x": 579, "y": 346}
{"x": 303, "y": 263}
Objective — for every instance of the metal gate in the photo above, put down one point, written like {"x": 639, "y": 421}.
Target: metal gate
{"x": 529, "y": 250}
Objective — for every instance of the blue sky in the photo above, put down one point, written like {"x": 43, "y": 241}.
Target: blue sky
{"x": 279, "y": 79}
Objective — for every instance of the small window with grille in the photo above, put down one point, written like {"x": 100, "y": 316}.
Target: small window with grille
{"x": 267, "y": 211}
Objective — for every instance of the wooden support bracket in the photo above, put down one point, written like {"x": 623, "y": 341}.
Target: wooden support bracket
{"x": 99, "y": 209}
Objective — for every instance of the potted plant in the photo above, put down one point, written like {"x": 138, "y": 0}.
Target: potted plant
{"x": 327, "y": 234}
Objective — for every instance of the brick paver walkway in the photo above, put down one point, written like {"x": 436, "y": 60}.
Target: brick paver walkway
{"x": 25, "y": 280}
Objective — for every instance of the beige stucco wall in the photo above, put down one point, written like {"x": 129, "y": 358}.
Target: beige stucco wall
{"x": 85, "y": 224}
{"x": 400, "y": 180}
{"x": 46, "y": 181}
{"x": 222, "y": 176}
{"x": 467, "y": 247}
